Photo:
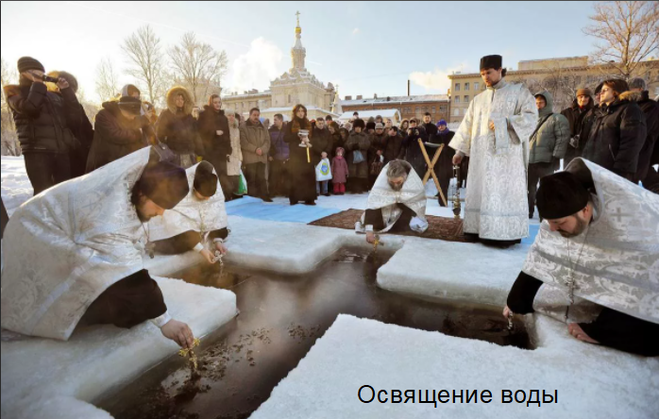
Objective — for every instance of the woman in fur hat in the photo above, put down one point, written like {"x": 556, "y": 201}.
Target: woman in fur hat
{"x": 178, "y": 128}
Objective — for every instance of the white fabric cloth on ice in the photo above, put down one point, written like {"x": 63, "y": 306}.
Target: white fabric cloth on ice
{"x": 382, "y": 197}
{"x": 67, "y": 245}
{"x": 619, "y": 263}
{"x": 496, "y": 205}
{"x": 191, "y": 214}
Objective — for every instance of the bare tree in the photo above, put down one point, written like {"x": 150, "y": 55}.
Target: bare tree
{"x": 198, "y": 66}
{"x": 628, "y": 32}
{"x": 107, "y": 83}
{"x": 145, "y": 55}
{"x": 9, "y": 145}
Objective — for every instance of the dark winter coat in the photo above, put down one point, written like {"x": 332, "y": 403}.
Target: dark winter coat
{"x": 339, "y": 170}
{"x": 650, "y": 152}
{"x": 617, "y": 136}
{"x": 337, "y": 141}
{"x": 392, "y": 148}
{"x": 357, "y": 141}
{"x": 579, "y": 125}
{"x": 177, "y": 127}
{"x": 551, "y": 135}
{"x": 378, "y": 143}
{"x": 431, "y": 131}
{"x": 43, "y": 119}
{"x": 115, "y": 136}
{"x": 279, "y": 149}
{"x": 321, "y": 141}
{"x": 302, "y": 172}
{"x": 412, "y": 151}
{"x": 253, "y": 137}
{"x": 444, "y": 165}
{"x": 215, "y": 148}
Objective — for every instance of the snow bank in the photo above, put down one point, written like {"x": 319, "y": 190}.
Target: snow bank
{"x": 16, "y": 187}
{"x": 592, "y": 382}
{"x": 44, "y": 378}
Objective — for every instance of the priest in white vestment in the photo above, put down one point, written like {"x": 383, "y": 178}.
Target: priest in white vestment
{"x": 74, "y": 253}
{"x": 494, "y": 135}
{"x": 198, "y": 222}
{"x": 397, "y": 202}
{"x": 595, "y": 261}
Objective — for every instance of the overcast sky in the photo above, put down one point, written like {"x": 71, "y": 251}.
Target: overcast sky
{"x": 365, "y": 48}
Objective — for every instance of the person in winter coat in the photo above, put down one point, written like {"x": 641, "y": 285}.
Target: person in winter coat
{"x": 279, "y": 177}
{"x": 430, "y": 128}
{"x": 178, "y": 128}
{"x": 376, "y": 153}
{"x": 119, "y": 131}
{"x": 579, "y": 124}
{"x": 82, "y": 129}
{"x": 43, "y": 122}
{"x": 547, "y": 144}
{"x": 255, "y": 143}
{"x": 357, "y": 147}
{"x": 216, "y": 140}
{"x": 236, "y": 158}
{"x": 618, "y": 131}
{"x": 335, "y": 135}
{"x": 393, "y": 145}
{"x": 444, "y": 166}
{"x": 648, "y": 155}
{"x": 301, "y": 168}
{"x": 321, "y": 141}
{"x": 411, "y": 150}
{"x": 339, "y": 172}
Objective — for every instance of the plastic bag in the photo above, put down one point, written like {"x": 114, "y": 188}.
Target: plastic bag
{"x": 358, "y": 157}
{"x": 242, "y": 184}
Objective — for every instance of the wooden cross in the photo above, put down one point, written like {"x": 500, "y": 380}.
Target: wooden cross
{"x": 431, "y": 168}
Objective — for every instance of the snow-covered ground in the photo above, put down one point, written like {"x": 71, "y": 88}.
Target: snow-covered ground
{"x": 275, "y": 237}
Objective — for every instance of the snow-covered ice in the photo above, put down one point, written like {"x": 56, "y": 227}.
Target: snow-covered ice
{"x": 592, "y": 382}
{"x": 16, "y": 187}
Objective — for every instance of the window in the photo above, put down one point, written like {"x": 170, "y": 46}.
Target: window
{"x": 289, "y": 99}
{"x": 442, "y": 109}
{"x": 457, "y": 99}
{"x": 457, "y": 87}
{"x": 456, "y": 112}
{"x": 466, "y": 98}
{"x": 466, "y": 87}
{"x": 433, "y": 109}
{"x": 476, "y": 86}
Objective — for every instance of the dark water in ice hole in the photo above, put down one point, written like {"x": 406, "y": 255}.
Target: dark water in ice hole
{"x": 280, "y": 319}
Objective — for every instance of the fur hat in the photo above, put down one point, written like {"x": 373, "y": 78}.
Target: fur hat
{"x": 370, "y": 125}
{"x": 358, "y": 123}
{"x": 560, "y": 195}
{"x": 491, "y": 61}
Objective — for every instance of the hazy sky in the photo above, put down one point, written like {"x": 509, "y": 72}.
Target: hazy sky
{"x": 365, "y": 48}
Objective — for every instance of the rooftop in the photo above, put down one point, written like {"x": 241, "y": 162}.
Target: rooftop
{"x": 395, "y": 99}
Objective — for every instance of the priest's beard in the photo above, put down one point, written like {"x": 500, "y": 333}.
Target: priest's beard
{"x": 395, "y": 188}
{"x": 578, "y": 229}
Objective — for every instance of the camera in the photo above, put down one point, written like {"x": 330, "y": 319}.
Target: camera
{"x": 49, "y": 79}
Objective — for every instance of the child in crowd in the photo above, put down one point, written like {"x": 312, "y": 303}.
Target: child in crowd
{"x": 339, "y": 172}
{"x": 323, "y": 175}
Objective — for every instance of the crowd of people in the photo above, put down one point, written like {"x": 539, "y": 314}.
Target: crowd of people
{"x": 181, "y": 166}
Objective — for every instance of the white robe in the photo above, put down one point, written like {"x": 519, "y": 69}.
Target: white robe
{"x": 496, "y": 205}
{"x": 67, "y": 245}
{"x": 382, "y": 197}
{"x": 191, "y": 214}
{"x": 615, "y": 262}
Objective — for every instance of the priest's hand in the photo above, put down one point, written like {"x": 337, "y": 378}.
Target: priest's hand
{"x": 210, "y": 258}
{"x": 457, "y": 159}
{"x": 576, "y": 331}
{"x": 491, "y": 125}
{"x": 370, "y": 237}
{"x": 507, "y": 312}
{"x": 179, "y": 332}
{"x": 221, "y": 248}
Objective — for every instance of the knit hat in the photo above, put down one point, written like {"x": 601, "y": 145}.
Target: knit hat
{"x": 379, "y": 126}
{"x": 441, "y": 122}
{"x": 205, "y": 181}
{"x": 165, "y": 184}
{"x": 491, "y": 61}
{"x": 560, "y": 195}
{"x": 358, "y": 123}
{"x": 130, "y": 90}
{"x": 341, "y": 149}
{"x": 130, "y": 104}
{"x": 29, "y": 63}
{"x": 370, "y": 125}
{"x": 584, "y": 92}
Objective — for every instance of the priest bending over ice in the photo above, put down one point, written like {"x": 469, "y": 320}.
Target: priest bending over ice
{"x": 74, "y": 253}
{"x": 396, "y": 203}
{"x": 595, "y": 261}
{"x": 198, "y": 222}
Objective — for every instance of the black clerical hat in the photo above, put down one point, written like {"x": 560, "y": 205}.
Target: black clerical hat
{"x": 205, "y": 181}
{"x": 165, "y": 184}
{"x": 491, "y": 61}
{"x": 560, "y": 195}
